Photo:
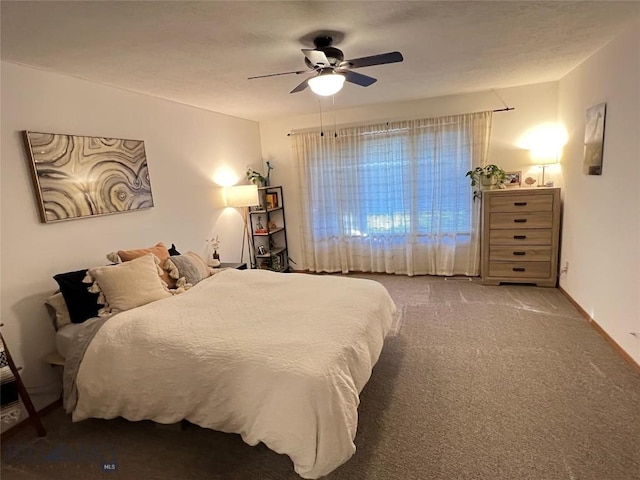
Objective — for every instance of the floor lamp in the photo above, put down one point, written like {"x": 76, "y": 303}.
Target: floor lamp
{"x": 244, "y": 196}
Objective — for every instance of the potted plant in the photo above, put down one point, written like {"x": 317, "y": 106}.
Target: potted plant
{"x": 489, "y": 176}
{"x": 257, "y": 178}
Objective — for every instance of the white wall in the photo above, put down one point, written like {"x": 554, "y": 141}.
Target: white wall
{"x": 601, "y": 228}
{"x": 534, "y": 105}
{"x": 186, "y": 148}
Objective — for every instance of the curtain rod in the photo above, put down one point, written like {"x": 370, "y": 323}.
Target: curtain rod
{"x": 505, "y": 109}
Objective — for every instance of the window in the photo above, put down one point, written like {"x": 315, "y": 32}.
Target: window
{"x": 401, "y": 185}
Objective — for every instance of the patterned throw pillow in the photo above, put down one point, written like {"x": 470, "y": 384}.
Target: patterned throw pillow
{"x": 189, "y": 266}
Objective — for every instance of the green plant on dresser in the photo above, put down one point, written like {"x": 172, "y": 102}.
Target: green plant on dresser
{"x": 487, "y": 177}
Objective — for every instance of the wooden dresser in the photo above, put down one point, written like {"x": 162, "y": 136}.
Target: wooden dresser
{"x": 520, "y": 236}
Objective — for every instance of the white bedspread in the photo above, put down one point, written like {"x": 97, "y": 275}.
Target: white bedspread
{"x": 277, "y": 358}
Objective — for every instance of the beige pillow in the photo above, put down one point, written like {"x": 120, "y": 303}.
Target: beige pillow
{"x": 159, "y": 250}
{"x": 129, "y": 284}
{"x": 57, "y": 308}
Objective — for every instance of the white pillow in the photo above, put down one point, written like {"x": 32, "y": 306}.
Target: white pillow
{"x": 58, "y": 309}
{"x": 129, "y": 284}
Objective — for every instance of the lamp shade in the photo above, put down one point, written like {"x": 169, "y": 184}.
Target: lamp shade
{"x": 544, "y": 142}
{"x": 242, "y": 196}
{"x": 546, "y": 154}
{"x": 326, "y": 84}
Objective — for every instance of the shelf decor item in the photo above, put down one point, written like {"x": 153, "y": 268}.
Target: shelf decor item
{"x": 79, "y": 177}
{"x": 215, "y": 257}
{"x": 255, "y": 177}
{"x": 259, "y": 226}
{"x": 512, "y": 179}
{"x": 267, "y": 179}
{"x": 271, "y": 200}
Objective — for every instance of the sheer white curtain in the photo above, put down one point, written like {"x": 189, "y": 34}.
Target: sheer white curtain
{"x": 392, "y": 197}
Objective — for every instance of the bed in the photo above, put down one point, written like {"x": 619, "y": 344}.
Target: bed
{"x": 277, "y": 358}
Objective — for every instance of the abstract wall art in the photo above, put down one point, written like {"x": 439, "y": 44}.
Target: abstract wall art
{"x": 78, "y": 177}
{"x": 594, "y": 139}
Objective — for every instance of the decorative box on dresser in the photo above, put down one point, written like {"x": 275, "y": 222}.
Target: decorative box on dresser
{"x": 520, "y": 236}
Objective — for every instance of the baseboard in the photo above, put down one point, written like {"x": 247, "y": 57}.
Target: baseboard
{"x": 27, "y": 421}
{"x": 629, "y": 359}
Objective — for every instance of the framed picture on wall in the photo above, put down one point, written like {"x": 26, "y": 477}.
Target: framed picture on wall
{"x": 512, "y": 179}
{"x": 594, "y": 139}
{"x": 79, "y": 177}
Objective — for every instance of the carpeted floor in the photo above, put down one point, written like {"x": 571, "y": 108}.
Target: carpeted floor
{"x": 474, "y": 382}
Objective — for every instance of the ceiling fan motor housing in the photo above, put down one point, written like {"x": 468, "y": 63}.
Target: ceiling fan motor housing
{"x": 334, "y": 55}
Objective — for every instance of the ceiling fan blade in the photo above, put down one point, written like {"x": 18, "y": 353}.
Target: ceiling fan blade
{"x": 300, "y": 87}
{"x": 391, "y": 57}
{"x": 357, "y": 78}
{"x": 316, "y": 57}
{"x": 297, "y": 72}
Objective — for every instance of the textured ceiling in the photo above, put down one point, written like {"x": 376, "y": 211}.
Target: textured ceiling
{"x": 201, "y": 53}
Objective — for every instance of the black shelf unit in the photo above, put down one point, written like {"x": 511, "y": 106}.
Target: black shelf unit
{"x": 269, "y": 231}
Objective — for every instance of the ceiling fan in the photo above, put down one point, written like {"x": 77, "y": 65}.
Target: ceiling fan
{"x": 332, "y": 70}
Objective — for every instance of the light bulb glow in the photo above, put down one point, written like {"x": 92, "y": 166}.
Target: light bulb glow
{"x": 326, "y": 84}
{"x": 544, "y": 142}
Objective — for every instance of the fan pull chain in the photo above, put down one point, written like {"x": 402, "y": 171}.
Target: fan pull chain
{"x": 335, "y": 128}
{"x": 321, "y": 128}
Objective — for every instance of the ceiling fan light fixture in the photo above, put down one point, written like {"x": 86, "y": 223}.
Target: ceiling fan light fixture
{"x": 327, "y": 83}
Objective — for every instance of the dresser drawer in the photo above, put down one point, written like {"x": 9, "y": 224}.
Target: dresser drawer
{"x": 521, "y": 203}
{"x": 520, "y": 269}
{"x": 520, "y": 254}
{"x": 517, "y": 236}
{"x": 521, "y": 220}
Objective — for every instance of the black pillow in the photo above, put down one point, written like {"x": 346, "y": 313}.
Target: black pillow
{"x": 172, "y": 251}
{"x": 81, "y": 303}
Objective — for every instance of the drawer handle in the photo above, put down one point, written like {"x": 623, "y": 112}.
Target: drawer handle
{"x": 520, "y": 253}
{"x": 519, "y": 204}
{"x": 520, "y": 220}
{"x": 518, "y": 269}
{"x": 520, "y": 237}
